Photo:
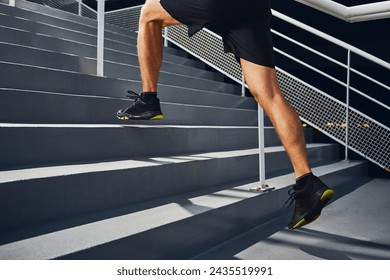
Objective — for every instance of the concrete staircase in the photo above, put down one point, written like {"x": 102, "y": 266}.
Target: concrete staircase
{"x": 76, "y": 183}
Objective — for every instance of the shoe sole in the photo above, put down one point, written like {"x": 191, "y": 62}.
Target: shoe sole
{"x": 143, "y": 117}
{"x": 324, "y": 199}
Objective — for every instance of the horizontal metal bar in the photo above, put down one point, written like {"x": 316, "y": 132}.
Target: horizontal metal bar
{"x": 331, "y": 39}
{"x": 370, "y": 98}
{"x": 371, "y": 79}
{"x": 328, "y": 58}
{"x": 309, "y": 48}
{"x": 310, "y": 67}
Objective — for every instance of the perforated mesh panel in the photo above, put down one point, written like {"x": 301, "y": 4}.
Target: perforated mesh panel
{"x": 88, "y": 12}
{"x": 126, "y": 18}
{"x": 370, "y": 139}
{"x": 71, "y": 6}
{"x": 365, "y": 136}
{"x": 307, "y": 100}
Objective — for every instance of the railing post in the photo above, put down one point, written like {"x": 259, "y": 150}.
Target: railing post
{"x": 347, "y": 104}
{"x": 242, "y": 85}
{"x": 12, "y": 3}
{"x": 166, "y": 36}
{"x": 100, "y": 38}
{"x": 261, "y": 146}
{"x": 80, "y": 11}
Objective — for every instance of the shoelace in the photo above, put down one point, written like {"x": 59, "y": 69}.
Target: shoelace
{"x": 292, "y": 194}
{"x": 133, "y": 95}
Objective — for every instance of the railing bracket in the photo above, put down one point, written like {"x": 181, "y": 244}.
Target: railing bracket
{"x": 264, "y": 188}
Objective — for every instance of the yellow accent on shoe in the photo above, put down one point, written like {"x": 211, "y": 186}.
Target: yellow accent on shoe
{"x": 328, "y": 194}
{"x": 301, "y": 223}
{"x": 158, "y": 117}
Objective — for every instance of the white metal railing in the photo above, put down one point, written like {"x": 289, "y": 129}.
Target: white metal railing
{"x": 336, "y": 119}
{"x": 384, "y": 162}
{"x": 100, "y": 38}
{"x": 370, "y": 11}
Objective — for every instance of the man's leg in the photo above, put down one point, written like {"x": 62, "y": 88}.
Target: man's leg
{"x": 263, "y": 85}
{"x": 150, "y": 50}
{"x": 150, "y": 43}
{"x": 310, "y": 193}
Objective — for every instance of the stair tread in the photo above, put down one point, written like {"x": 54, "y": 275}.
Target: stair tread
{"x": 43, "y": 13}
{"x": 357, "y": 233}
{"x": 70, "y": 95}
{"x": 66, "y": 170}
{"x": 62, "y": 45}
{"x": 87, "y": 63}
{"x": 136, "y": 219}
{"x": 108, "y": 80}
{"x": 168, "y": 55}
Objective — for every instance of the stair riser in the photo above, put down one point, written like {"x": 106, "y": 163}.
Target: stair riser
{"x": 58, "y": 32}
{"x": 42, "y": 58}
{"x": 64, "y": 82}
{"x": 133, "y": 73}
{"x": 55, "y": 17}
{"x": 35, "y": 201}
{"x": 199, "y": 233}
{"x": 45, "y": 146}
{"x": 112, "y": 40}
{"x": 64, "y": 46}
{"x": 41, "y": 108}
{"x": 113, "y": 70}
{"x": 39, "y": 200}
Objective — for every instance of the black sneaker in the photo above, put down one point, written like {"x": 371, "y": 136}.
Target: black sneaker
{"x": 310, "y": 195}
{"x": 140, "y": 109}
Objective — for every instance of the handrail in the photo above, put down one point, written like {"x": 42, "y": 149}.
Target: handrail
{"x": 371, "y": 11}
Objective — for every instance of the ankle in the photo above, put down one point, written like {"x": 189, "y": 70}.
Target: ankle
{"x": 148, "y": 95}
{"x": 302, "y": 181}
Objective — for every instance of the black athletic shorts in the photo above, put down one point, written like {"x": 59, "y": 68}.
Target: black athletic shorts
{"x": 243, "y": 24}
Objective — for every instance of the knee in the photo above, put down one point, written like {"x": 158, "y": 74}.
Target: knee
{"x": 269, "y": 99}
{"x": 266, "y": 95}
{"x": 148, "y": 15}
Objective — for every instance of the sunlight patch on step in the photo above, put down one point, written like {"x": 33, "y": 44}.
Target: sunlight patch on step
{"x": 67, "y": 170}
